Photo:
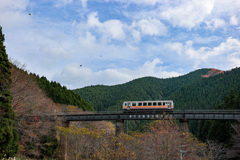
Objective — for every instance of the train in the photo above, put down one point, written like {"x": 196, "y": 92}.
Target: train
{"x": 148, "y": 106}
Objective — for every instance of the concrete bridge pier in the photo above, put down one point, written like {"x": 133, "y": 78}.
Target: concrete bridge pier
{"x": 63, "y": 143}
{"x": 119, "y": 126}
{"x": 184, "y": 125}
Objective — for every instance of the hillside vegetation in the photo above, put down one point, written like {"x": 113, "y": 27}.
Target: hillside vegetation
{"x": 191, "y": 91}
{"x": 60, "y": 94}
{"x": 8, "y": 134}
{"x": 200, "y": 89}
{"x": 34, "y": 111}
{"x": 147, "y": 88}
{"x": 38, "y": 136}
{"x": 221, "y": 131}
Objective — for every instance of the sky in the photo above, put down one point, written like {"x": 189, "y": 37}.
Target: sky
{"x": 81, "y": 43}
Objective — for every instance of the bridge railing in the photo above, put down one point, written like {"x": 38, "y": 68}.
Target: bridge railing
{"x": 182, "y": 111}
{"x": 108, "y": 112}
{"x": 206, "y": 111}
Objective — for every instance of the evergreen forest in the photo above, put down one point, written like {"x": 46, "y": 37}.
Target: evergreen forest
{"x": 8, "y": 134}
{"x": 60, "y": 94}
{"x": 220, "y": 131}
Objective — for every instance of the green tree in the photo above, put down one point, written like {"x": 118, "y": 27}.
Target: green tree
{"x": 60, "y": 94}
{"x": 8, "y": 136}
{"x": 220, "y": 131}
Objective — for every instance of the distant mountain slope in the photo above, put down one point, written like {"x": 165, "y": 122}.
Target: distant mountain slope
{"x": 190, "y": 91}
{"x": 147, "y": 88}
{"x": 208, "y": 92}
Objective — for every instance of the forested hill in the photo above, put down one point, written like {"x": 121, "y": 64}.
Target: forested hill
{"x": 60, "y": 94}
{"x": 190, "y": 91}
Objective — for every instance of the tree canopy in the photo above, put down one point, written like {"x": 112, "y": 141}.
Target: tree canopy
{"x": 220, "y": 131}
{"x": 60, "y": 94}
{"x": 8, "y": 136}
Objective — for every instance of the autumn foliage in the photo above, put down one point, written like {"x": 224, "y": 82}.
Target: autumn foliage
{"x": 213, "y": 72}
{"x": 34, "y": 111}
{"x": 161, "y": 140}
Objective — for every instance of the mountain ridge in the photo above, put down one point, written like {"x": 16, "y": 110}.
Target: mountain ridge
{"x": 152, "y": 88}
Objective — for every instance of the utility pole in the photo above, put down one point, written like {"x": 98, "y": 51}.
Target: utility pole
{"x": 181, "y": 154}
{"x": 127, "y": 127}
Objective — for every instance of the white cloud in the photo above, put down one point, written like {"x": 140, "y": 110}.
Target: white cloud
{"x": 152, "y": 27}
{"x": 13, "y": 5}
{"x": 74, "y": 76}
{"x": 234, "y": 59}
{"x": 110, "y": 28}
{"x": 54, "y": 52}
{"x": 147, "y": 2}
{"x": 223, "y": 13}
{"x": 205, "y": 40}
{"x": 89, "y": 41}
{"x": 224, "y": 56}
{"x": 115, "y": 28}
{"x": 215, "y": 23}
{"x": 176, "y": 47}
{"x": 136, "y": 35}
{"x": 226, "y": 7}
{"x": 60, "y": 3}
{"x": 141, "y": 2}
{"x": 234, "y": 20}
{"x": 189, "y": 14}
{"x": 12, "y": 13}
{"x": 84, "y": 3}
{"x": 230, "y": 46}
{"x": 93, "y": 20}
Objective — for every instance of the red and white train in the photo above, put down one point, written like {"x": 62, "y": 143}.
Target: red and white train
{"x": 145, "y": 106}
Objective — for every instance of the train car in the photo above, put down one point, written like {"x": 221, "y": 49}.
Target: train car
{"x": 148, "y": 106}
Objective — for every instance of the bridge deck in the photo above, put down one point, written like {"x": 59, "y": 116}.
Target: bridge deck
{"x": 184, "y": 114}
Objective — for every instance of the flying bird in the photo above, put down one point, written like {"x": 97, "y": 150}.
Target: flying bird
{"x": 80, "y": 65}
{"x": 29, "y": 14}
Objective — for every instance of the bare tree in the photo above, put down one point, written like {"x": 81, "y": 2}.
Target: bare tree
{"x": 215, "y": 151}
{"x": 33, "y": 110}
{"x": 234, "y": 152}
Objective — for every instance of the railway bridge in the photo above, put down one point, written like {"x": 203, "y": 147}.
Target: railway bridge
{"x": 182, "y": 115}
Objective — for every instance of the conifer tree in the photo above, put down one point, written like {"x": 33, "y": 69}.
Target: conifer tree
{"x": 8, "y": 136}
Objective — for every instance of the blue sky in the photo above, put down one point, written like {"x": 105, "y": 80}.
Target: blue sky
{"x": 80, "y": 43}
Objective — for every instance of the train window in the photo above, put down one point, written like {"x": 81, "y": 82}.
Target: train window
{"x": 140, "y": 104}
{"x": 125, "y": 104}
{"x": 133, "y": 104}
{"x": 144, "y": 104}
{"x": 159, "y": 103}
{"x": 163, "y": 103}
{"x": 154, "y": 103}
{"x": 149, "y": 103}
